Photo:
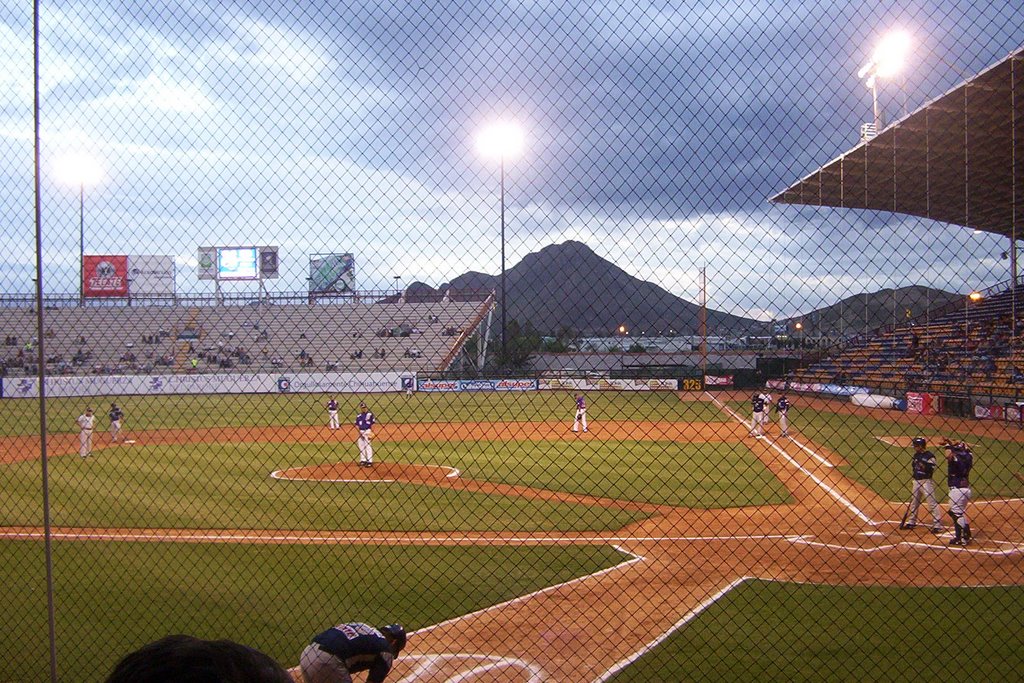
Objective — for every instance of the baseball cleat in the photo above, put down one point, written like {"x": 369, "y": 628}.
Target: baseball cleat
{"x": 937, "y": 530}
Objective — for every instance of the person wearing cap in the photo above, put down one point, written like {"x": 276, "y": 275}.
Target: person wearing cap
{"x": 86, "y": 422}
{"x": 115, "y": 415}
{"x": 342, "y": 650}
{"x": 922, "y": 467}
{"x": 959, "y": 461}
{"x": 364, "y": 423}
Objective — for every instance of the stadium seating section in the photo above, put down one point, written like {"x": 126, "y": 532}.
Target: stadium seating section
{"x": 406, "y": 336}
{"x": 970, "y": 348}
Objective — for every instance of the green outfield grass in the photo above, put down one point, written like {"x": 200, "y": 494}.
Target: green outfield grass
{"x": 764, "y": 631}
{"x": 228, "y": 486}
{"x": 113, "y": 597}
{"x": 885, "y": 468}
{"x": 21, "y": 416}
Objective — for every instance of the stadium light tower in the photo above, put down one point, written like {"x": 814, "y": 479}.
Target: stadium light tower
{"x": 83, "y": 171}
{"x": 501, "y": 140}
{"x": 886, "y": 62}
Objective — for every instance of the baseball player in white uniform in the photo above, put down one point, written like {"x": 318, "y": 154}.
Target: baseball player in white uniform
{"x": 86, "y": 422}
{"x": 581, "y": 413}
{"x": 364, "y": 423}
{"x": 332, "y": 414}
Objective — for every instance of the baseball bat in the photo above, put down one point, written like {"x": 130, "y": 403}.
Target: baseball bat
{"x": 903, "y": 522}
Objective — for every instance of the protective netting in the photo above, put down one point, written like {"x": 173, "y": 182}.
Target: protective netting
{"x": 586, "y": 342}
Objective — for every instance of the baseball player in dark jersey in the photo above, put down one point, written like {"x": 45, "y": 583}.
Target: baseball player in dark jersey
{"x": 922, "y": 466}
{"x": 342, "y": 650}
{"x": 115, "y": 415}
{"x": 782, "y": 408}
{"x": 757, "y": 421}
{"x": 959, "y": 461}
{"x": 364, "y": 423}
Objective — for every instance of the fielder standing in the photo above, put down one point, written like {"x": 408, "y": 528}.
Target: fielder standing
{"x": 86, "y": 422}
{"x": 581, "y": 413}
{"x": 782, "y": 408}
{"x": 115, "y": 415}
{"x": 959, "y": 461}
{"x": 332, "y": 414}
{"x": 757, "y": 420}
{"x": 922, "y": 466}
{"x": 364, "y": 423}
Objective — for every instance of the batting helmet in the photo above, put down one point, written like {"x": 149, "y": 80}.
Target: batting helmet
{"x": 396, "y": 633}
{"x": 918, "y": 441}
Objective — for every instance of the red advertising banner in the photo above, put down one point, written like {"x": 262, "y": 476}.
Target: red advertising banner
{"x": 104, "y": 276}
{"x": 922, "y": 404}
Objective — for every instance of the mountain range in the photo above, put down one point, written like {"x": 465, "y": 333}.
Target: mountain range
{"x": 568, "y": 287}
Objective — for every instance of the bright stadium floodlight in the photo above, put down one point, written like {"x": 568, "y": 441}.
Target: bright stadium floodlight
{"x": 972, "y": 298}
{"x": 887, "y": 61}
{"x": 501, "y": 140}
{"x": 79, "y": 170}
{"x": 891, "y": 54}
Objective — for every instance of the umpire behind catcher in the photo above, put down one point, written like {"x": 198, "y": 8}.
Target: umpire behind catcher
{"x": 345, "y": 649}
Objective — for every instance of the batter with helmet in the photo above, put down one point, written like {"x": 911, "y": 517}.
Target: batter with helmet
{"x": 345, "y": 649}
{"x": 922, "y": 466}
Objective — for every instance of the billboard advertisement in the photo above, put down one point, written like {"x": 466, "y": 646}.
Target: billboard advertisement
{"x": 237, "y": 263}
{"x": 332, "y": 273}
{"x": 150, "y": 275}
{"x": 104, "y": 276}
{"x": 268, "y": 263}
{"x": 207, "y": 259}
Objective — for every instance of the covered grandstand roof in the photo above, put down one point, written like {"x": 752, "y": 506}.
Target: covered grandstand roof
{"x": 958, "y": 159}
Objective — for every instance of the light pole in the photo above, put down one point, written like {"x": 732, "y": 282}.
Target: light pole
{"x": 79, "y": 170}
{"x": 398, "y": 285}
{"x": 886, "y": 62}
{"x": 501, "y": 140}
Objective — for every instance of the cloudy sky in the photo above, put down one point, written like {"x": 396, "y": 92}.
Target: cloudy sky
{"x": 654, "y": 132}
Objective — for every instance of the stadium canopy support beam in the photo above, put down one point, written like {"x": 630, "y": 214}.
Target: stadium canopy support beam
{"x": 481, "y": 359}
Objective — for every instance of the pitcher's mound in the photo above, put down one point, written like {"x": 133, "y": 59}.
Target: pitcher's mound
{"x": 380, "y": 472}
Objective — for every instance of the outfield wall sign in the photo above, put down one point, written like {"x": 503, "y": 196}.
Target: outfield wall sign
{"x": 202, "y": 383}
{"x": 605, "y": 384}
{"x": 444, "y": 385}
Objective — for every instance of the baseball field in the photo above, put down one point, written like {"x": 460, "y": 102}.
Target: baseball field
{"x": 665, "y": 544}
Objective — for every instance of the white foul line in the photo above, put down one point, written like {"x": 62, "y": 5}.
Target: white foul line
{"x": 814, "y": 454}
{"x": 688, "y": 617}
{"x": 828, "y": 489}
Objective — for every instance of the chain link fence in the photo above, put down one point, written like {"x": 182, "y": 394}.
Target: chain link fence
{"x": 584, "y": 342}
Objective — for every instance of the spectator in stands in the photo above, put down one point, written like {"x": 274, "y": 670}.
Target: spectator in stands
{"x": 1016, "y": 376}
{"x": 186, "y": 658}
